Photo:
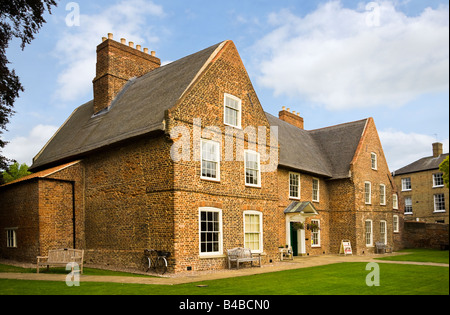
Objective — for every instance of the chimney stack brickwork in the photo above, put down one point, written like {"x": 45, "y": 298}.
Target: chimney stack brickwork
{"x": 292, "y": 118}
{"x": 116, "y": 64}
{"x": 437, "y": 149}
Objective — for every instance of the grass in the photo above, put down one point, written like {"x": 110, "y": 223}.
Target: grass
{"x": 421, "y": 255}
{"x": 336, "y": 279}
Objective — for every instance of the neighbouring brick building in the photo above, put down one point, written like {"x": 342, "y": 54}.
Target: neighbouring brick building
{"x": 183, "y": 158}
{"x": 422, "y": 188}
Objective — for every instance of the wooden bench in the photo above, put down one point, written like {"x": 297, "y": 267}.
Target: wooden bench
{"x": 381, "y": 248}
{"x": 239, "y": 255}
{"x": 61, "y": 257}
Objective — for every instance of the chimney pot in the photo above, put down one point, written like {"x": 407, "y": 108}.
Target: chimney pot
{"x": 123, "y": 41}
{"x": 153, "y": 53}
{"x": 146, "y": 50}
{"x": 110, "y": 35}
{"x": 289, "y": 110}
{"x": 138, "y": 47}
{"x": 103, "y": 39}
{"x": 131, "y": 44}
{"x": 283, "y": 108}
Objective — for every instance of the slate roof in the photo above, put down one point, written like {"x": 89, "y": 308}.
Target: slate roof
{"x": 140, "y": 107}
{"x": 424, "y": 164}
{"x": 137, "y": 110}
{"x": 326, "y": 152}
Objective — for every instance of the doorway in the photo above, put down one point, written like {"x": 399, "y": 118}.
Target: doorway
{"x": 294, "y": 239}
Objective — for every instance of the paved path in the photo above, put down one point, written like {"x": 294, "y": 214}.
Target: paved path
{"x": 188, "y": 277}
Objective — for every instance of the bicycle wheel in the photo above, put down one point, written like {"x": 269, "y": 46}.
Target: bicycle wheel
{"x": 145, "y": 264}
{"x": 161, "y": 265}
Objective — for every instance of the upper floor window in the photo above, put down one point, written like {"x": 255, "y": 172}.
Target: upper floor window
{"x": 408, "y": 205}
{"x": 383, "y": 232}
{"x": 374, "y": 161}
{"x": 252, "y": 168}
{"x": 395, "y": 201}
{"x": 438, "y": 180}
{"x": 210, "y": 154}
{"x": 294, "y": 185}
{"x": 232, "y": 111}
{"x": 368, "y": 193}
{"x": 315, "y": 195}
{"x": 439, "y": 203}
{"x": 406, "y": 184}
{"x": 382, "y": 194}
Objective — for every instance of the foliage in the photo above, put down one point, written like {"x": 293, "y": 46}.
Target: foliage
{"x": 18, "y": 19}
{"x": 444, "y": 169}
{"x": 15, "y": 171}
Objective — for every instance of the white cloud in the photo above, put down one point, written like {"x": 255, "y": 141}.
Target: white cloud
{"x": 334, "y": 57}
{"x": 402, "y": 148}
{"x": 76, "y": 47}
{"x": 23, "y": 149}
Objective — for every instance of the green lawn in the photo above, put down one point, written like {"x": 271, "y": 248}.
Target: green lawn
{"x": 421, "y": 255}
{"x": 337, "y": 279}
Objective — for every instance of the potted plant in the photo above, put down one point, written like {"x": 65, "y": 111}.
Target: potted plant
{"x": 298, "y": 225}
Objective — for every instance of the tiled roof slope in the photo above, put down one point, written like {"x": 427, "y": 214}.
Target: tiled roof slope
{"x": 424, "y": 164}
{"x": 327, "y": 151}
{"x": 138, "y": 109}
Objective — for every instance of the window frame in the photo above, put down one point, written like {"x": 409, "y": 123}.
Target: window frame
{"x": 259, "y": 168}
{"x": 261, "y": 231}
{"x": 368, "y": 193}
{"x": 406, "y": 205}
{"x": 406, "y": 180}
{"x": 395, "y": 201}
{"x": 370, "y": 244}
{"x": 11, "y": 238}
{"x": 383, "y": 231}
{"x": 441, "y": 180}
{"x": 317, "y": 199}
{"x": 298, "y": 188}
{"x": 382, "y": 194}
{"x": 439, "y": 202}
{"x": 218, "y": 155}
{"x": 315, "y": 233}
{"x": 374, "y": 160}
{"x": 396, "y": 223}
{"x": 239, "y": 116}
{"x": 220, "y": 232}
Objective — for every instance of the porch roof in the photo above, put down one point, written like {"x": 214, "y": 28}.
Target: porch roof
{"x": 304, "y": 207}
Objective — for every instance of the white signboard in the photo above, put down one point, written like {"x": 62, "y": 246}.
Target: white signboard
{"x": 346, "y": 248}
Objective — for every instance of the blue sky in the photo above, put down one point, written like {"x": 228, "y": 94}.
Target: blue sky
{"x": 331, "y": 61}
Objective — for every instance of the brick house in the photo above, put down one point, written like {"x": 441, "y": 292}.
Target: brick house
{"x": 183, "y": 158}
{"x": 422, "y": 188}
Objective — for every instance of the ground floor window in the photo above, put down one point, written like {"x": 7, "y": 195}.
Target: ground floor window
{"x": 439, "y": 203}
{"x": 253, "y": 231}
{"x": 396, "y": 224}
{"x": 315, "y": 233}
{"x": 383, "y": 230}
{"x": 210, "y": 231}
{"x": 11, "y": 240}
{"x": 368, "y": 227}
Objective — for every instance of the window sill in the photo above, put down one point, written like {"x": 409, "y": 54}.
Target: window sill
{"x": 210, "y": 179}
{"x": 439, "y": 211}
{"x": 209, "y": 256}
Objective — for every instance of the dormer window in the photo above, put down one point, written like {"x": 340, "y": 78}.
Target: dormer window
{"x": 232, "y": 111}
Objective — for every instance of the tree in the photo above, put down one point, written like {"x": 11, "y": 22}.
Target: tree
{"x": 18, "y": 19}
{"x": 444, "y": 169}
{"x": 15, "y": 171}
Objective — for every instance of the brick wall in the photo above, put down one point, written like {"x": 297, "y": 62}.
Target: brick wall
{"x": 425, "y": 235}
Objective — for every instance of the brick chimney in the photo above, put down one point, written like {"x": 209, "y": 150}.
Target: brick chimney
{"x": 437, "y": 149}
{"x": 292, "y": 118}
{"x": 116, "y": 64}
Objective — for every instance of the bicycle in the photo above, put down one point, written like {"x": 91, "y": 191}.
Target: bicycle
{"x": 155, "y": 259}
